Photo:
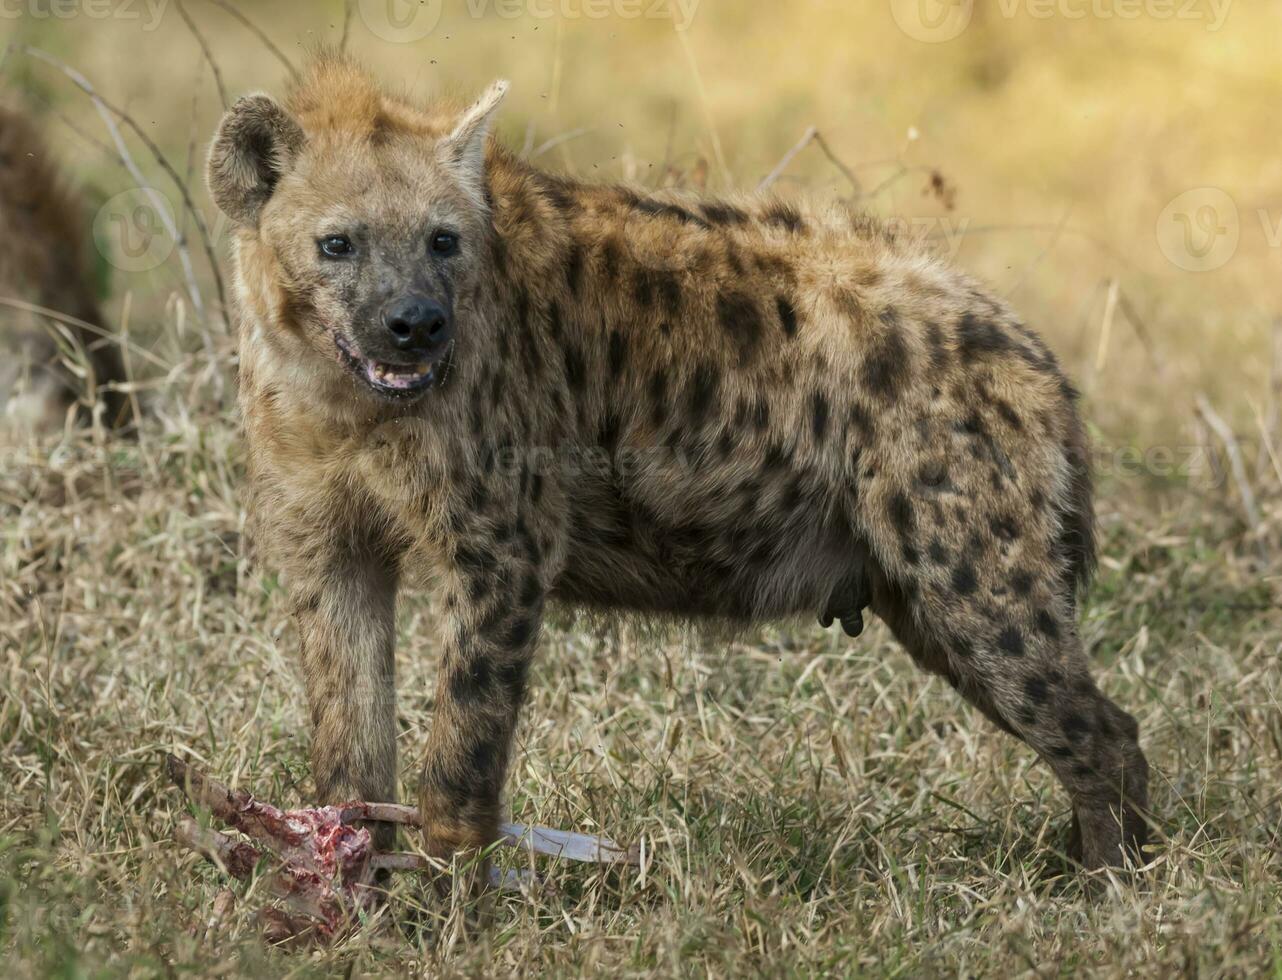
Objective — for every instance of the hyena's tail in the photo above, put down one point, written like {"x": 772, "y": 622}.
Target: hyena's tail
{"x": 46, "y": 261}
{"x": 1077, "y": 517}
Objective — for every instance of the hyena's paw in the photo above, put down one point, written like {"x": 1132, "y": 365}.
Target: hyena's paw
{"x": 1107, "y": 836}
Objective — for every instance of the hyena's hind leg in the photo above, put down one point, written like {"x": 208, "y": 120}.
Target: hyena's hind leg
{"x": 1013, "y": 651}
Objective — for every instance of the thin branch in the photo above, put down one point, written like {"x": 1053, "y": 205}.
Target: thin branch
{"x": 92, "y": 328}
{"x": 254, "y": 29}
{"x": 104, "y": 107}
{"x": 209, "y": 55}
{"x": 556, "y": 141}
{"x": 706, "y": 105}
{"x": 788, "y": 157}
{"x": 1225, "y": 434}
{"x": 836, "y": 161}
{"x": 348, "y": 7}
{"x": 1106, "y": 325}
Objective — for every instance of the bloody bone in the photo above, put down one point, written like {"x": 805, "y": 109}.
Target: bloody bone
{"x": 328, "y": 862}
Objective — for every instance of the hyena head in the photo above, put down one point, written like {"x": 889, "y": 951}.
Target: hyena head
{"x": 363, "y": 225}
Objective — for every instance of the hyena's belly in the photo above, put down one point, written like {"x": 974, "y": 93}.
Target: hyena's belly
{"x": 695, "y": 549}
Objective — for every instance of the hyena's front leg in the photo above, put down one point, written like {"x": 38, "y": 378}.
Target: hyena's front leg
{"x": 495, "y": 598}
{"x": 344, "y": 603}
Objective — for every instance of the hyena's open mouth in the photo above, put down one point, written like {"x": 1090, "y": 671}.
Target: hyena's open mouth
{"x": 391, "y": 380}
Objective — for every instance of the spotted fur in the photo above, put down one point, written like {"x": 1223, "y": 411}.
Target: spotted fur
{"x": 654, "y": 404}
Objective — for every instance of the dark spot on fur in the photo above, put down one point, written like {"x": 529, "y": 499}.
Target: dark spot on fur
{"x": 900, "y": 511}
{"x": 574, "y": 269}
{"x": 932, "y": 474}
{"x": 703, "y": 392}
{"x": 725, "y": 444}
{"x": 575, "y": 371}
{"x": 1022, "y": 582}
{"x": 1004, "y": 528}
{"x": 783, "y": 215}
{"x": 977, "y": 338}
{"x": 1006, "y": 412}
{"x": 935, "y": 341}
{"x": 1011, "y": 642}
{"x": 1046, "y": 624}
{"x": 973, "y": 425}
{"x": 610, "y": 433}
{"x": 964, "y": 581}
{"x": 662, "y": 209}
{"x": 558, "y": 194}
{"x": 1036, "y": 690}
{"x": 512, "y": 676}
{"x": 667, "y": 288}
{"x": 658, "y": 397}
{"x": 741, "y": 319}
{"x": 472, "y": 682}
{"x": 862, "y": 422}
{"x": 937, "y": 553}
{"x": 885, "y": 366}
{"x": 519, "y": 633}
{"x": 724, "y": 214}
{"x": 1074, "y": 726}
{"x": 787, "y": 315}
{"x": 819, "y": 416}
{"x": 618, "y": 353}
{"x": 777, "y": 457}
{"x": 611, "y": 258}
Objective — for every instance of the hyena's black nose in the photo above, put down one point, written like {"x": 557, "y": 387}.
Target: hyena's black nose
{"x": 417, "y": 323}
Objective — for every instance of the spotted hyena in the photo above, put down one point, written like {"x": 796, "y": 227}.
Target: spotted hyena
{"x": 45, "y": 266}
{"x": 537, "y": 390}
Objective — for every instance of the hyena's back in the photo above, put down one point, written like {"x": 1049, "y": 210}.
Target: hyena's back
{"x": 788, "y": 398}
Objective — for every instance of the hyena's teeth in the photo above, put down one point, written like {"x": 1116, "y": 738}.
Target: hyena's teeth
{"x": 387, "y": 374}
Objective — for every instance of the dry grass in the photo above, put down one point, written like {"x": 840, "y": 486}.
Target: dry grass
{"x": 809, "y": 805}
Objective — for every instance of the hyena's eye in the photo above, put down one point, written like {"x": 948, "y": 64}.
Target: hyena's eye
{"x": 445, "y": 243}
{"x": 336, "y": 246}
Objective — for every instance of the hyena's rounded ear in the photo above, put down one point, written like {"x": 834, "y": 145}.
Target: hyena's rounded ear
{"x": 256, "y": 144}
{"x": 464, "y": 149}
